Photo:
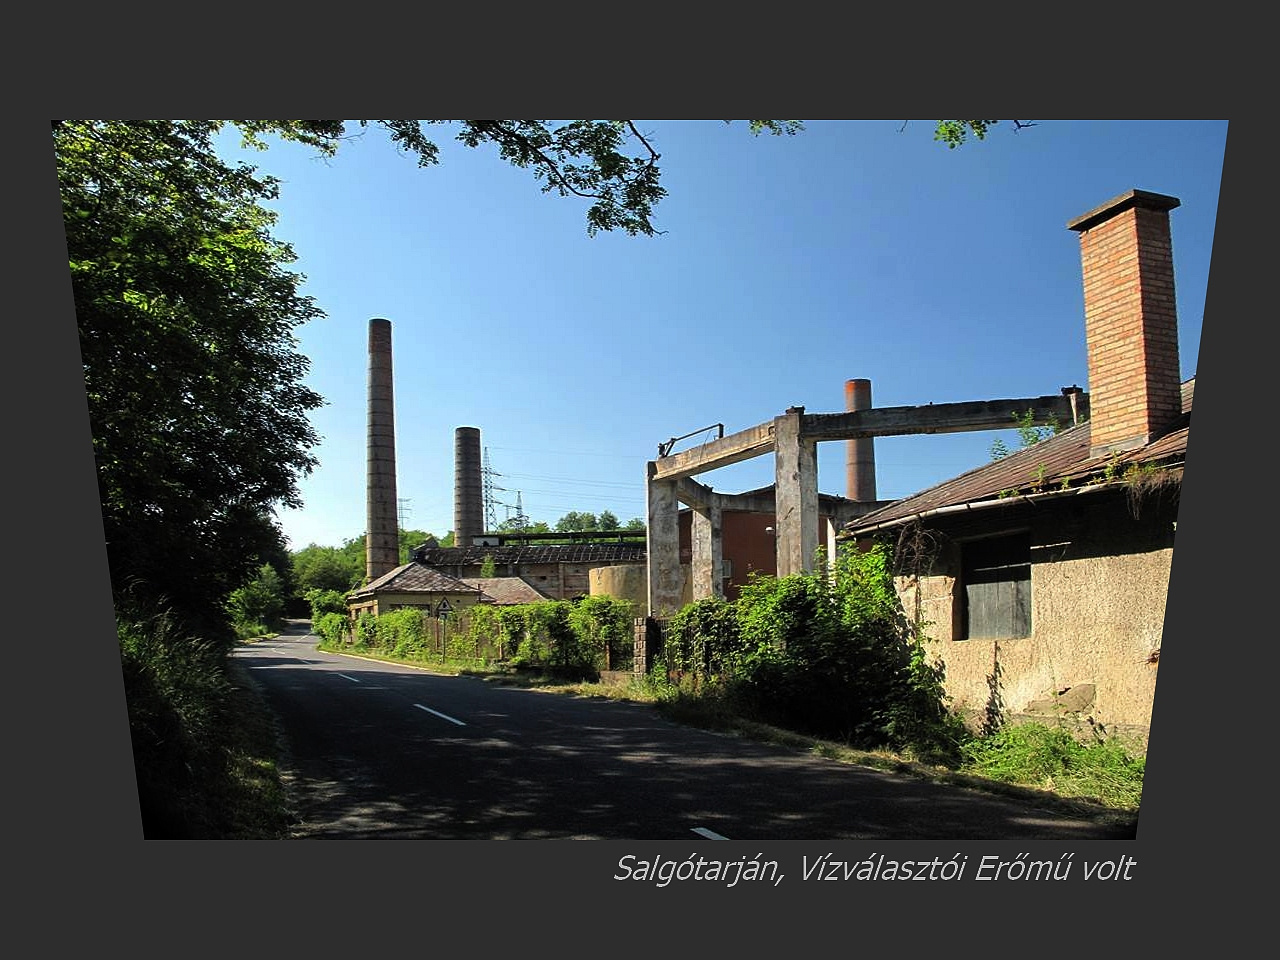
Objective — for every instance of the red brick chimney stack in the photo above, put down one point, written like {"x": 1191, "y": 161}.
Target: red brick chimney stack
{"x": 1131, "y": 320}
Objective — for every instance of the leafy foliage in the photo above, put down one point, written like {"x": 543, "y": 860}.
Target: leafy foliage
{"x": 827, "y": 655}
{"x": 326, "y": 569}
{"x": 259, "y": 605}
{"x": 602, "y": 627}
{"x": 575, "y": 521}
{"x": 333, "y": 629}
{"x": 196, "y": 396}
{"x": 326, "y": 601}
{"x": 953, "y": 133}
{"x": 1029, "y": 434}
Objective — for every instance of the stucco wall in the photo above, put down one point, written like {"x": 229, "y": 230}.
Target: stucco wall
{"x": 1099, "y": 582}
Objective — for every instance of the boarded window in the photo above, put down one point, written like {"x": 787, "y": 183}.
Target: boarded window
{"x": 996, "y": 574}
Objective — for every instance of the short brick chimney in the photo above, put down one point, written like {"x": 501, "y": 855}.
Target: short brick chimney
{"x": 1131, "y": 320}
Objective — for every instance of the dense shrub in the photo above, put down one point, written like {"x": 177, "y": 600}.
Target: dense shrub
{"x": 333, "y": 629}
{"x": 326, "y": 601}
{"x": 831, "y": 654}
{"x": 403, "y": 633}
{"x": 602, "y": 629}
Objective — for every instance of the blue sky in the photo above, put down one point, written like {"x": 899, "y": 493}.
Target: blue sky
{"x": 855, "y": 249}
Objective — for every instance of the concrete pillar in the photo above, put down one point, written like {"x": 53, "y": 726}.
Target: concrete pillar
{"x": 796, "y": 492}
{"x": 830, "y": 527}
{"x": 662, "y": 551}
{"x": 708, "y": 552}
{"x": 860, "y": 454}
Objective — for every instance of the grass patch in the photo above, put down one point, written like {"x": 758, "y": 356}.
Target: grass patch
{"x": 1050, "y": 758}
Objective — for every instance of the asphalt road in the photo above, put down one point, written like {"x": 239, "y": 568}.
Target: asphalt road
{"x": 377, "y": 750}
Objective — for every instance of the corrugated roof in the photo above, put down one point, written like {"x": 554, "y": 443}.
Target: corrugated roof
{"x": 1061, "y": 462}
{"x": 544, "y": 553}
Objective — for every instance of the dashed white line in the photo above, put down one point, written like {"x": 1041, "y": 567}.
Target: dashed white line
{"x": 345, "y": 677}
{"x": 442, "y": 716}
{"x": 709, "y": 834}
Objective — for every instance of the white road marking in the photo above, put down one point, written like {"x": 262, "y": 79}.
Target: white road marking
{"x": 709, "y": 834}
{"x": 345, "y": 677}
{"x": 443, "y": 716}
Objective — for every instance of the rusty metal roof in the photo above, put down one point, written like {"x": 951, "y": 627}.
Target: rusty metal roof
{"x": 543, "y": 553}
{"x": 1060, "y": 463}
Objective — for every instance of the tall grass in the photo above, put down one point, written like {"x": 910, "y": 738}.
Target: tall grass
{"x": 1036, "y": 755}
{"x": 203, "y": 743}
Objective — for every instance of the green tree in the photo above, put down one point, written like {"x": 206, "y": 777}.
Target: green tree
{"x": 325, "y": 568}
{"x": 186, "y": 311}
{"x": 519, "y": 525}
{"x": 575, "y": 521}
{"x": 953, "y": 133}
{"x": 260, "y": 602}
{"x": 607, "y": 521}
{"x": 409, "y": 539}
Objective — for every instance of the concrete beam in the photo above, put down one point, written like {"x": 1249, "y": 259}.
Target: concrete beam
{"x": 940, "y": 418}
{"x": 695, "y": 494}
{"x": 743, "y": 445}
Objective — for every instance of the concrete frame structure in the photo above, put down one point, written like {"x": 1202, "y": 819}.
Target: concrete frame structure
{"x": 793, "y": 438}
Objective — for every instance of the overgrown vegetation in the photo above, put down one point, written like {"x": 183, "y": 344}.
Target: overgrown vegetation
{"x": 827, "y": 654}
{"x": 566, "y": 640}
{"x": 204, "y": 743}
{"x": 1050, "y": 758}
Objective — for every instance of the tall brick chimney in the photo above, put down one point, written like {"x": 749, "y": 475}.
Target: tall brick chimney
{"x": 1131, "y": 320}
{"x": 860, "y": 454}
{"x": 382, "y": 536}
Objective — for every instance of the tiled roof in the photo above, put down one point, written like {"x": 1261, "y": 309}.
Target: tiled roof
{"x": 546, "y": 553}
{"x": 414, "y": 577}
{"x": 506, "y": 591}
{"x": 1060, "y": 463}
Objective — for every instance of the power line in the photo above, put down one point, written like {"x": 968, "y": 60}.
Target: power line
{"x": 487, "y": 473}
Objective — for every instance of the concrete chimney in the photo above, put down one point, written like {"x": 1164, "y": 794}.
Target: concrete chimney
{"x": 1131, "y": 320}
{"x": 382, "y": 537}
{"x": 468, "y": 491}
{"x": 860, "y": 454}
